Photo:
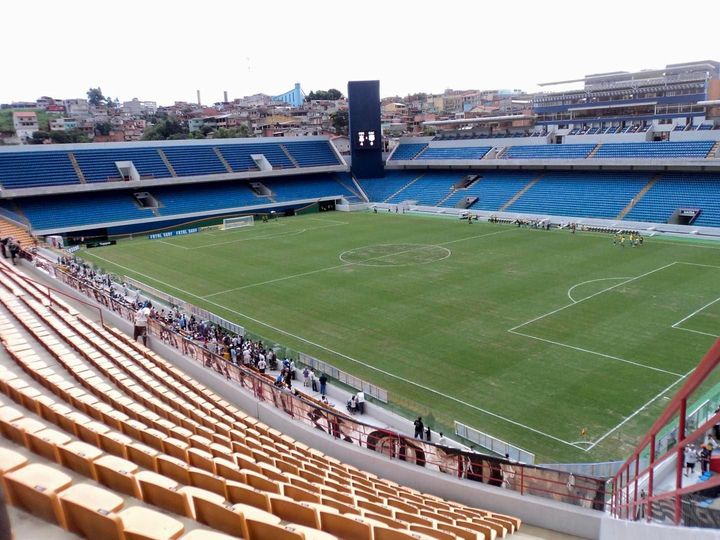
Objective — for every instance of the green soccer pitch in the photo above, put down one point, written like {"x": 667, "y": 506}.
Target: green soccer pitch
{"x": 528, "y": 335}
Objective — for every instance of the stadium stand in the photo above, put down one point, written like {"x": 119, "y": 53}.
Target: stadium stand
{"x": 59, "y": 211}
{"x": 551, "y": 151}
{"x": 98, "y": 165}
{"x": 650, "y": 150}
{"x": 493, "y": 189}
{"x": 379, "y": 189}
{"x": 310, "y": 187}
{"x": 205, "y": 197}
{"x": 146, "y": 434}
{"x": 312, "y": 153}
{"x": 30, "y": 169}
{"x": 430, "y": 189}
{"x": 238, "y": 155}
{"x": 583, "y": 194}
{"x": 194, "y": 160}
{"x": 681, "y": 190}
{"x": 454, "y": 152}
{"x": 407, "y": 151}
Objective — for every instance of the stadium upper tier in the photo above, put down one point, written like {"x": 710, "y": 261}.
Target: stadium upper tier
{"x": 34, "y": 167}
{"x": 408, "y": 151}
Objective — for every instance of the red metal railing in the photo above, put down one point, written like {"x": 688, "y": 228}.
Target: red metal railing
{"x": 629, "y": 500}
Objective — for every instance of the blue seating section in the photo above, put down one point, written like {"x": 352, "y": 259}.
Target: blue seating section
{"x": 379, "y": 189}
{"x": 407, "y": 151}
{"x": 81, "y": 210}
{"x": 464, "y": 152}
{"x": 493, "y": 189}
{"x": 312, "y": 153}
{"x": 238, "y": 156}
{"x": 188, "y": 198}
{"x": 681, "y": 190}
{"x": 31, "y": 169}
{"x": 194, "y": 160}
{"x": 98, "y": 165}
{"x": 550, "y": 151}
{"x": 306, "y": 187}
{"x": 650, "y": 150}
{"x": 430, "y": 189}
{"x": 581, "y": 194}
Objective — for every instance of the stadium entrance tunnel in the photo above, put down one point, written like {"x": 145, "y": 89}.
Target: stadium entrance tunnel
{"x": 395, "y": 255}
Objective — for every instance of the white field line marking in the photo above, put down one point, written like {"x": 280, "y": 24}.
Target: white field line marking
{"x": 267, "y": 236}
{"x": 699, "y": 264}
{"x": 617, "y": 358}
{"x": 695, "y": 313}
{"x": 171, "y": 244}
{"x": 418, "y": 247}
{"x": 553, "y": 312}
{"x": 589, "y": 281}
{"x": 327, "y": 268}
{"x": 341, "y": 355}
{"x": 322, "y": 220}
{"x": 645, "y": 406}
{"x": 696, "y": 331}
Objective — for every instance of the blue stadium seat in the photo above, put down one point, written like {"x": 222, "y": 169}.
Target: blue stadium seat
{"x": 549, "y": 151}
{"x": 194, "y": 160}
{"x": 379, "y": 189}
{"x": 650, "y": 150}
{"x": 681, "y": 190}
{"x": 581, "y": 194}
{"x": 312, "y": 153}
{"x": 98, "y": 164}
{"x": 493, "y": 189}
{"x": 461, "y": 152}
{"x": 189, "y": 198}
{"x": 238, "y": 155}
{"x": 32, "y": 169}
{"x": 430, "y": 189}
{"x": 407, "y": 151}
{"x": 306, "y": 187}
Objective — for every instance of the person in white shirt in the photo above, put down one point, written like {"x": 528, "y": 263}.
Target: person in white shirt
{"x": 261, "y": 365}
{"x": 141, "y": 319}
{"x": 361, "y": 402}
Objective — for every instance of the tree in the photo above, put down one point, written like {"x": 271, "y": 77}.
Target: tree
{"x": 333, "y": 95}
{"x": 103, "y": 128}
{"x": 167, "y": 128}
{"x": 340, "y": 122}
{"x": 95, "y": 97}
{"x": 39, "y": 137}
{"x": 241, "y": 131}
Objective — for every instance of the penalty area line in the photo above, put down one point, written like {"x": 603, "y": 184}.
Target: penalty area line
{"x": 346, "y": 357}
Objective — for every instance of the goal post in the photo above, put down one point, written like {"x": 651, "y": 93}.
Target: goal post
{"x": 237, "y": 222}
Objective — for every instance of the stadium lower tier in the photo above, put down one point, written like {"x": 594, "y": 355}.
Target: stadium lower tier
{"x": 83, "y": 210}
{"x": 637, "y": 196}
{"x": 649, "y": 196}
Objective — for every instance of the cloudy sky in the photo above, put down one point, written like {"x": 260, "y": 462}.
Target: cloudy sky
{"x": 164, "y": 50}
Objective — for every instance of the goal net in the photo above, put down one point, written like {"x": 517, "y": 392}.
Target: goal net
{"x": 236, "y": 222}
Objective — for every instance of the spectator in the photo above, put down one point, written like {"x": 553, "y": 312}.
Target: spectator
{"x": 361, "y": 402}
{"x": 352, "y": 404}
{"x": 428, "y": 434}
{"x": 261, "y": 365}
{"x": 141, "y": 320}
{"x": 443, "y": 439}
{"x": 306, "y": 376}
{"x": 690, "y": 459}
{"x": 419, "y": 427}
{"x": 323, "y": 384}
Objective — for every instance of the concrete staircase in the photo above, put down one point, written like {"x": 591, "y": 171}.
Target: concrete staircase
{"x": 594, "y": 151}
{"x": 351, "y": 189}
{"x": 222, "y": 159}
{"x": 289, "y": 156}
{"x": 520, "y": 193}
{"x": 76, "y": 166}
{"x": 636, "y": 199}
{"x": 410, "y": 183}
{"x": 8, "y": 228}
{"x": 454, "y": 191}
{"x": 167, "y": 162}
{"x": 714, "y": 151}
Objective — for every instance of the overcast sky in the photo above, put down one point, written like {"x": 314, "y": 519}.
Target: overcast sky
{"x": 165, "y": 50}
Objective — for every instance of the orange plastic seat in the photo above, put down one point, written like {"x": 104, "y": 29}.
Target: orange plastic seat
{"x": 35, "y": 488}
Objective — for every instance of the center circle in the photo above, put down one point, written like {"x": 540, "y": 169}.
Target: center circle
{"x": 395, "y": 254}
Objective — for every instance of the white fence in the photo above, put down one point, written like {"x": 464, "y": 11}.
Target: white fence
{"x": 494, "y": 444}
{"x": 345, "y": 378}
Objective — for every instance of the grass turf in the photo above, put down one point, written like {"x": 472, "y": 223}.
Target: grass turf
{"x": 527, "y": 335}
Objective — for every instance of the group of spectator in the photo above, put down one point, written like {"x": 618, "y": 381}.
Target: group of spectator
{"x": 10, "y": 248}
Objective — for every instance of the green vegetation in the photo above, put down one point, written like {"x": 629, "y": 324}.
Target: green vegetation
{"x": 332, "y": 95}
{"x": 6, "y": 119}
{"x": 528, "y": 335}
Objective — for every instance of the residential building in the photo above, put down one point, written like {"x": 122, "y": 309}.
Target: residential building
{"x": 25, "y": 124}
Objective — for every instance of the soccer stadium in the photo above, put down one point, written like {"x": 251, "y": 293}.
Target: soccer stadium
{"x": 503, "y": 329}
